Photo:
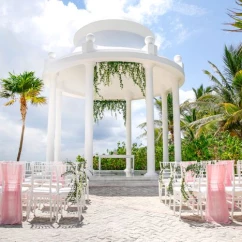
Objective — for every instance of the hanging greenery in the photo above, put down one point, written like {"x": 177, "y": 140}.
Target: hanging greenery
{"x": 116, "y": 106}
{"x": 103, "y": 71}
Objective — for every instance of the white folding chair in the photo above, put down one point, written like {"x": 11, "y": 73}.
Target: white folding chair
{"x": 43, "y": 173}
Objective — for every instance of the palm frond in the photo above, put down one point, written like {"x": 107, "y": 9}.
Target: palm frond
{"x": 38, "y": 100}
{"x": 11, "y": 102}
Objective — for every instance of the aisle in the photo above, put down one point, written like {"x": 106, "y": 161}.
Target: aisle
{"x": 123, "y": 214}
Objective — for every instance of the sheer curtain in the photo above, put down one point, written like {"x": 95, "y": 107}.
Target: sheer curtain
{"x": 216, "y": 205}
{"x": 11, "y": 204}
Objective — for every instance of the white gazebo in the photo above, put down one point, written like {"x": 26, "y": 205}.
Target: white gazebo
{"x": 113, "y": 40}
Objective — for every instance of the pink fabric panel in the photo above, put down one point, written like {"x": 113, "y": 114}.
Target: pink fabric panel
{"x": 216, "y": 205}
{"x": 229, "y": 172}
{"x": 188, "y": 174}
{"x": 62, "y": 170}
{"x": 58, "y": 171}
{"x": 11, "y": 207}
{"x": 24, "y": 170}
{"x": 1, "y": 173}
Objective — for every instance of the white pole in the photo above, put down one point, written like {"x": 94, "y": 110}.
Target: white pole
{"x": 176, "y": 121}
{"x": 89, "y": 115}
{"x": 58, "y": 125}
{"x": 128, "y": 134}
{"x": 165, "y": 126}
{"x": 51, "y": 120}
{"x": 150, "y": 122}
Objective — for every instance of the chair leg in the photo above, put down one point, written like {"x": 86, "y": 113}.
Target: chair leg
{"x": 56, "y": 209}
{"x": 50, "y": 210}
{"x": 200, "y": 206}
{"x": 165, "y": 195}
{"x": 159, "y": 187}
{"x": 87, "y": 189}
{"x": 29, "y": 204}
{"x": 35, "y": 204}
{"x": 232, "y": 209}
{"x": 180, "y": 208}
{"x": 174, "y": 203}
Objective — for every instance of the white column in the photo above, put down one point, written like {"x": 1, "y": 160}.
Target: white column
{"x": 165, "y": 126}
{"x": 58, "y": 125}
{"x": 89, "y": 115}
{"x": 51, "y": 120}
{"x": 128, "y": 134}
{"x": 150, "y": 121}
{"x": 176, "y": 120}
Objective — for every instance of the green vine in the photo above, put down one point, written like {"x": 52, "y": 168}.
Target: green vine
{"x": 116, "y": 106}
{"x": 170, "y": 186}
{"x": 78, "y": 180}
{"x": 163, "y": 167}
{"x": 103, "y": 71}
{"x": 196, "y": 169}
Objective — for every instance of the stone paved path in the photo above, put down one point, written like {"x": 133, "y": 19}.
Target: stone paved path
{"x": 123, "y": 214}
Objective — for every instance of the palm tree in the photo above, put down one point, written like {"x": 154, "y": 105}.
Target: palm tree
{"x": 190, "y": 113}
{"x": 199, "y": 92}
{"x": 236, "y": 17}
{"x": 23, "y": 88}
{"x": 224, "y": 109}
{"x": 158, "y": 123}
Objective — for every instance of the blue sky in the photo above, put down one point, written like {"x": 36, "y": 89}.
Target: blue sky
{"x": 203, "y": 36}
{"x": 29, "y": 29}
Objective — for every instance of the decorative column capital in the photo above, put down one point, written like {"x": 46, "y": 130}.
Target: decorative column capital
{"x": 148, "y": 66}
{"x": 175, "y": 84}
{"x": 164, "y": 93}
{"x": 90, "y": 64}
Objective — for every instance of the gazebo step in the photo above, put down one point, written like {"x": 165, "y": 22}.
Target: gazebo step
{"x": 109, "y": 178}
{"x": 123, "y": 183}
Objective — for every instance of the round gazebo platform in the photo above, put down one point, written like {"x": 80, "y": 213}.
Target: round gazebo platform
{"x": 114, "y": 41}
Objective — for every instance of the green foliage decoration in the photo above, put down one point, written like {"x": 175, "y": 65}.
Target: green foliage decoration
{"x": 196, "y": 170}
{"x": 78, "y": 179}
{"x": 103, "y": 71}
{"x": 116, "y": 106}
{"x": 163, "y": 167}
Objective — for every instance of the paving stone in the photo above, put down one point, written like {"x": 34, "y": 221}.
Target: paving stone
{"x": 123, "y": 214}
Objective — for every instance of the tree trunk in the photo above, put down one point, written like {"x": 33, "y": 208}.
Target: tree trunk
{"x": 23, "y": 110}
{"x": 21, "y": 141}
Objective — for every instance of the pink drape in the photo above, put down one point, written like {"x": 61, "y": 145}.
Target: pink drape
{"x": 216, "y": 205}
{"x": 229, "y": 173}
{"x": 60, "y": 168}
{"x": 188, "y": 175}
{"x": 11, "y": 205}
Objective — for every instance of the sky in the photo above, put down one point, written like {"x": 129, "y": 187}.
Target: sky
{"x": 29, "y": 29}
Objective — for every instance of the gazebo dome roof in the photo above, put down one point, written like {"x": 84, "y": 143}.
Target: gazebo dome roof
{"x": 114, "y": 33}
{"x": 109, "y": 41}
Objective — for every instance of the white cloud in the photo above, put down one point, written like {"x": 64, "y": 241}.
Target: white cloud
{"x": 182, "y": 32}
{"x": 186, "y": 95}
{"x": 188, "y": 9}
{"x": 34, "y": 141}
{"x": 148, "y": 11}
{"x": 31, "y": 28}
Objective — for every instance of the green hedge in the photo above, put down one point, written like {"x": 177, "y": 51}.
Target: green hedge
{"x": 140, "y": 156}
{"x": 205, "y": 147}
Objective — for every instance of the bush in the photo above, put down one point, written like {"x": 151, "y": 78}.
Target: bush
{"x": 209, "y": 147}
{"x": 140, "y": 156}
{"x": 205, "y": 147}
